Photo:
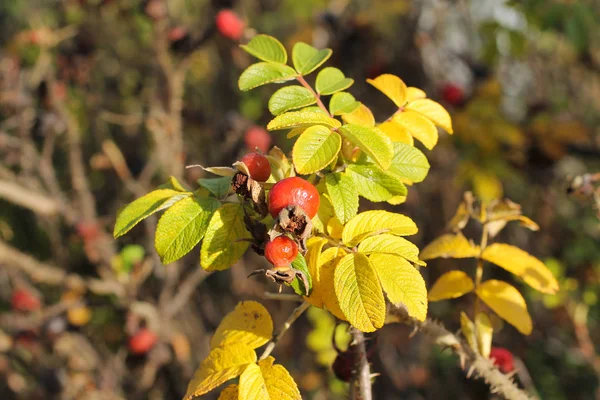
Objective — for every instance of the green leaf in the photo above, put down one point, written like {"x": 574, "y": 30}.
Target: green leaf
{"x": 290, "y": 97}
{"x": 144, "y": 207}
{"x": 266, "y": 48}
{"x": 373, "y": 184}
{"x": 342, "y": 103}
{"x": 295, "y": 119}
{"x": 331, "y": 80}
{"x": 359, "y": 291}
{"x": 219, "y": 187}
{"x": 262, "y": 73}
{"x": 372, "y": 141}
{"x": 174, "y": 184}
{"x": 223, "y": 242}
{"x": 182, "y": 227}
{"x": 298, "y": 284}
{"x": 409, "y": 163}
{"x": 306, "y": 58}
{"x": 316, "y": 147}
{"x": 344, "y": 195}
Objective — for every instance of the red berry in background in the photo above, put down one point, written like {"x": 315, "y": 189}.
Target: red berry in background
{"x": 503, "y": 359}
{"x": 142, "y": 342}
{"x": 281, "y": 251}
{"x": 453, "y": 94}
{"x": 229, "y": 24}
{"x": 257, "y": 138}
{"x": 23, "y": 300}
{"x": 294, "y": 191}
{"x": 258, "y": 166}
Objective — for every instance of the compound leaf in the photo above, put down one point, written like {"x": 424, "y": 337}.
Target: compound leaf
{"x": 316, "y": 147}
{"x": 451, "y": 285}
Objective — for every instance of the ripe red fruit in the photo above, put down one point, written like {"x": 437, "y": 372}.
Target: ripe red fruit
{"x": 257, "y": 138}
{"x": 229, "y": 24}
{"x": 452, "y": 94}
{"x": 503, "y": 359}
{"x": 23, "y": 300}
{"x": 281, "y": 251}
{"x": 142, "y": 341}
{"x": 294, "y": 191}
{"x": 258, "y": 166}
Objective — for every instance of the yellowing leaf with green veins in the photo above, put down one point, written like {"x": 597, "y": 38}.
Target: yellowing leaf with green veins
{"x": 402, "y": 283}
{"x": 419, "y": 127}
{"x": 316, "y": 147}
{"x": 485, "y": 331}
{"x": 392, "y": 86}
{"x": 223, "y": 242}
{"x": 331, "y": 80}
{"x": 334, "y": 228}
{"x": 359, "y": 292}
{"x": 396, "y": 132}
{"x": 343, "y": 103}
{"x": 361, "y": 116}
{"x": 290, "y": 97}
{"x": 324, "y": 214}
{"x": 231, "y": 392}
{"x": 450, "y": 246}
{"x": 307, "y": 58}
{"x": 144, "y": 207}
{"x": 390, "y": 244}
{"x": 322, "y": 272}
{"x": 434, "y": 111}
{"x": 182, "y": 227}
{"x": 266, "y": 48}
{"x": 372, "y": 141}
{"x": 409, "y": 163}
{"x": 294, "y": 119}
{"x": 506, "y": 301}
{"x": 221, "y": 365}
{"x": 266, "y": 381}
{"x": 265, "y": 72}
{"x": 249, "y": 323}
{"x": 344, "y": 196}
{"x": 524, "y": 265}
{"x": 451, "y": 285}
{"x": 374, "y": 184}
{"x": 376, "y": 221}
{"x": 413, "y": 93}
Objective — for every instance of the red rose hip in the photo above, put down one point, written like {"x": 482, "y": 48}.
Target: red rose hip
{"x": 452, "y": 94}
{"x": 142, "y": 342}
{"x": 229, "y": 24}
{"x": 294, "y": 191}
{"x": 257, "y": 137}
{"x": 23, "y": 300}
{"x": 503, "y": 359}
{"x": 281, "y": 251}
{"x": 258, "y": 166}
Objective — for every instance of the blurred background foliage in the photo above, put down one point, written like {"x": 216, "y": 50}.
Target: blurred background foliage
{"x": 102, "y": 100}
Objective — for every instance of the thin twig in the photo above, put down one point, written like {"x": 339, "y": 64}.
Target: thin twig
{"x": 315, "y": 94}
{"x": 361, "y": 383}
{"x": 37, "y": 202}
{"x": 293, "y": 317}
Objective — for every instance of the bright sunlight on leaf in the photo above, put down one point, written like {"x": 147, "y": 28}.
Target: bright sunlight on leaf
{"x": 507, "y": 302}
{"x": 249, "y": 323}
{"x": 451, "y": 285}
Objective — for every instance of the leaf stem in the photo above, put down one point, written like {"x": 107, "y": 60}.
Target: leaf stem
{"x": 303, "y": 82}
{"x": 292, "y": 318}
{"x": 362, "y": 376}
{"x": 479, "y": 274}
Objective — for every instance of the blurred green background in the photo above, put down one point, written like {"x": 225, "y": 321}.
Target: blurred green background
{"x": 102, "y": 100}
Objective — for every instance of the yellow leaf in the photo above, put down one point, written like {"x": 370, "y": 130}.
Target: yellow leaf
{"x": 221, "y": 365}
{"x": 451, "y": 285}
{"x": 334, "y": 228}
{"x": 359, "y": 292}
{"x": 323, "y": 292}
{"x": 403, "y": 284}
{"x": 468, "y": 330}
{"x": 324, "y": 213}
{"x": 418, "y": 126}
{"x": 314, "y": 245}
{"x": 485, "y": 332}
{"x": 392, "y": 86}
{"x": 361, "y": 116}
{"x": 390, "y": 244}
{"x": 519, "y": 262}
{"x": 396, "y": 132}
{"x": 249, "y": 323}
{"x": 463, "y": 213}
{"x": 413, "y": 93}
{"x": 79, "y": 316}
{"x": 507, "y": 302}
{"x": 450, "y": 246}
{"x": 265, "y": 381}
{"x": 370, "y": 222}
{"x": 434, "y": 111}
{"x": 231, "y": 392}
